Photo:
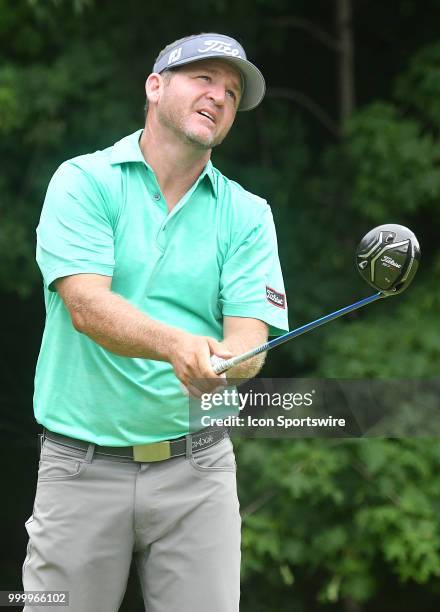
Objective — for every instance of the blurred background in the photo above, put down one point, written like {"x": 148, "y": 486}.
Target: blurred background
{"x": 347, "y": 138}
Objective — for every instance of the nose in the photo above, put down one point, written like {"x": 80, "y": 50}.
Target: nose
{"x": 217, "y": 94}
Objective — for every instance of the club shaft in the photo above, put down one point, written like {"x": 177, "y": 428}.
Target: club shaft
{"x": 223, "y": 365}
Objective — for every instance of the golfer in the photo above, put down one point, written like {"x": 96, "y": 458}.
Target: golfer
{"x": 153, "y": 262}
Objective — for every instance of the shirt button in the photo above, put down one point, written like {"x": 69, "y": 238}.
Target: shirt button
{"x": 156, "y": 196}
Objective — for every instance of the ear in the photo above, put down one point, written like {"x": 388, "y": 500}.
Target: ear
{"x": 153, "y": 87}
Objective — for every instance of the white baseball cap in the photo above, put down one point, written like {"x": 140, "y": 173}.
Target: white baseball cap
{"x": 203, "y": 46}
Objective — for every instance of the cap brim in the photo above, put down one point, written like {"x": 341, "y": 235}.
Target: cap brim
{"x": 254, "y": 83}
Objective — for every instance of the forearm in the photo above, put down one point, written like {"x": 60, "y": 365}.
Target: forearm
{"x": 249, "y": 368}
{"x": 119, "y": 327}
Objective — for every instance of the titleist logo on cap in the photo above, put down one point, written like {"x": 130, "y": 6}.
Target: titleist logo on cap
{"x": 209, "y": 46}
{"x": 275, "y": 298}
{"x": 220, "y": 46}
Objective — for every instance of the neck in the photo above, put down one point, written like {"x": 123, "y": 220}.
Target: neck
{"x": 177, "y": 164}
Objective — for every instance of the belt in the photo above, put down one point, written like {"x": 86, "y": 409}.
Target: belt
{"x": 158, "y": 451}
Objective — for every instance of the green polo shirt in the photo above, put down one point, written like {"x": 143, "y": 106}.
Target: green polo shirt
{"x": 214, "y": 255}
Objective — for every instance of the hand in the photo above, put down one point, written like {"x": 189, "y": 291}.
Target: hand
{"x": 190, "y": 356}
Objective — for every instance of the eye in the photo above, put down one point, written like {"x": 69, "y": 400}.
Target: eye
{"x": 231, "y": 94}
{"x": 205, "y": 77}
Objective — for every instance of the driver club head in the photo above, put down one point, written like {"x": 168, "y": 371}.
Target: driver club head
{"x": 388, "y": 257}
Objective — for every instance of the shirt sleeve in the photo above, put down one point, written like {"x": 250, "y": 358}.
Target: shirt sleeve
{"x": 75, "y": 233}
{"x": 251, "y": 282}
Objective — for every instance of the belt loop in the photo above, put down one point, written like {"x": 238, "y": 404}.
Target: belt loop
{"x": 89, "y": 454}
{"x": 188, "y": 446}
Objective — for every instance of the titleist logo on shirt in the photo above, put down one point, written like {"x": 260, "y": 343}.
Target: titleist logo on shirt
{"x": 275, "y": 298}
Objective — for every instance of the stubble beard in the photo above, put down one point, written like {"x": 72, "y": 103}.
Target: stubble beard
{"x": 175, "y": 121}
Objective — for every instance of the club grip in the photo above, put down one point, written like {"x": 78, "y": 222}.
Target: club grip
{"x": 219, "y": 365}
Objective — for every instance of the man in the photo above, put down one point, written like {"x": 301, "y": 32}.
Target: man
{"x": 153, "y": 262}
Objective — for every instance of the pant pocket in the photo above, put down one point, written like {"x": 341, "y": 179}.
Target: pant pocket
{"x": 56, "y": 468}
{"x": 59, "y": 462}
{"x": 217, "y": 458}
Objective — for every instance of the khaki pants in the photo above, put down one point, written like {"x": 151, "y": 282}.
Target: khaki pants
{"x": 179, "y": 518}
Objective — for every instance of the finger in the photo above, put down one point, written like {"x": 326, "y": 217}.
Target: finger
{"x": 207, "y": 385}
{"x": 205, "y": 373}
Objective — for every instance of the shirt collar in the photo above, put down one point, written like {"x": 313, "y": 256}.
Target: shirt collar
{"x": 128, "y": 150}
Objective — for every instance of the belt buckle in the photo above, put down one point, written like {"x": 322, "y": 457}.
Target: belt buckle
{"x": 158, "y": 451}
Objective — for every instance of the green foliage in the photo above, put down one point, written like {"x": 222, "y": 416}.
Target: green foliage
{"x": 396, "y": 164}
{"x": 340, "y": 512}
{"x": 325, "y": 524}
{"x": 388, "y": 340}
{"x": 9, "y": 101}
{"x": 419, "y": 87}
{"x": 77, "y": 5}
{"x": 333, "y": 517}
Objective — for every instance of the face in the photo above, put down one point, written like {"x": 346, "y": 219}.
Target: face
{"x": 199, "y": 101}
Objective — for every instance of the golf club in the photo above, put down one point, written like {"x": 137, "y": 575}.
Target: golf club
{"x": 387, "y": 258}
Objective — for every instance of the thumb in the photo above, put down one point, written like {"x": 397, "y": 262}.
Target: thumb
{"x": 219, "y": 349}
